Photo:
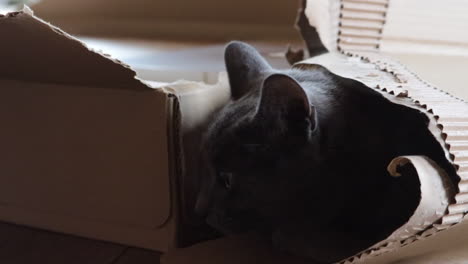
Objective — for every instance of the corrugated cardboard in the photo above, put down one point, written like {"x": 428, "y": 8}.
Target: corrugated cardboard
{"x": 363, "y": 29}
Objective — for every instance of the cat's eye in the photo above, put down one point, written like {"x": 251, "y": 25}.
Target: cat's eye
{"x": 226, "y": 179}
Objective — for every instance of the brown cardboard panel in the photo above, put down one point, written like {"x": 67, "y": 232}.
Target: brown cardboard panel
{"x": 93, "y": 154}
{"x": 85, "y": 145}
{"x": 35, "y": 51}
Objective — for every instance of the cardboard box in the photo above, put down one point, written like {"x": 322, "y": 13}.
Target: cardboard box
{"x": 88, "y": 149}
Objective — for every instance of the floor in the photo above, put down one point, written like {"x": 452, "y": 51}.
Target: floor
{"x": 23, "y": 245}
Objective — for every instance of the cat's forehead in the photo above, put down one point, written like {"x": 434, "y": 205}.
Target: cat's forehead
{"x": 228, "y": 123}
{"x": 231, "y": 127}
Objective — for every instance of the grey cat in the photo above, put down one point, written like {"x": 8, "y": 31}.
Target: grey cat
{"x": 300, "y": 157}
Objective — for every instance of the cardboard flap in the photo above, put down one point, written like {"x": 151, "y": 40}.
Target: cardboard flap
{"x": 35, "y": 51}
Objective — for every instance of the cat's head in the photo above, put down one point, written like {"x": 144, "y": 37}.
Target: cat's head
{"x": 252, "y": 152}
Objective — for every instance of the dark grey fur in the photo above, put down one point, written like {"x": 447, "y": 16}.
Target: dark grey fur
{"x": 301, "y": 156}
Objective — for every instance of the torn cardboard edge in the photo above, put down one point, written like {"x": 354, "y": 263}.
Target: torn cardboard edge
{"x": 435, "y": 105}
{"x": 84, "y": 66}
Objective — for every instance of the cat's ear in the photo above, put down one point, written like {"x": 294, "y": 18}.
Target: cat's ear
{"x": 283, "y": 97}
{"x": 243, "y": 64}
